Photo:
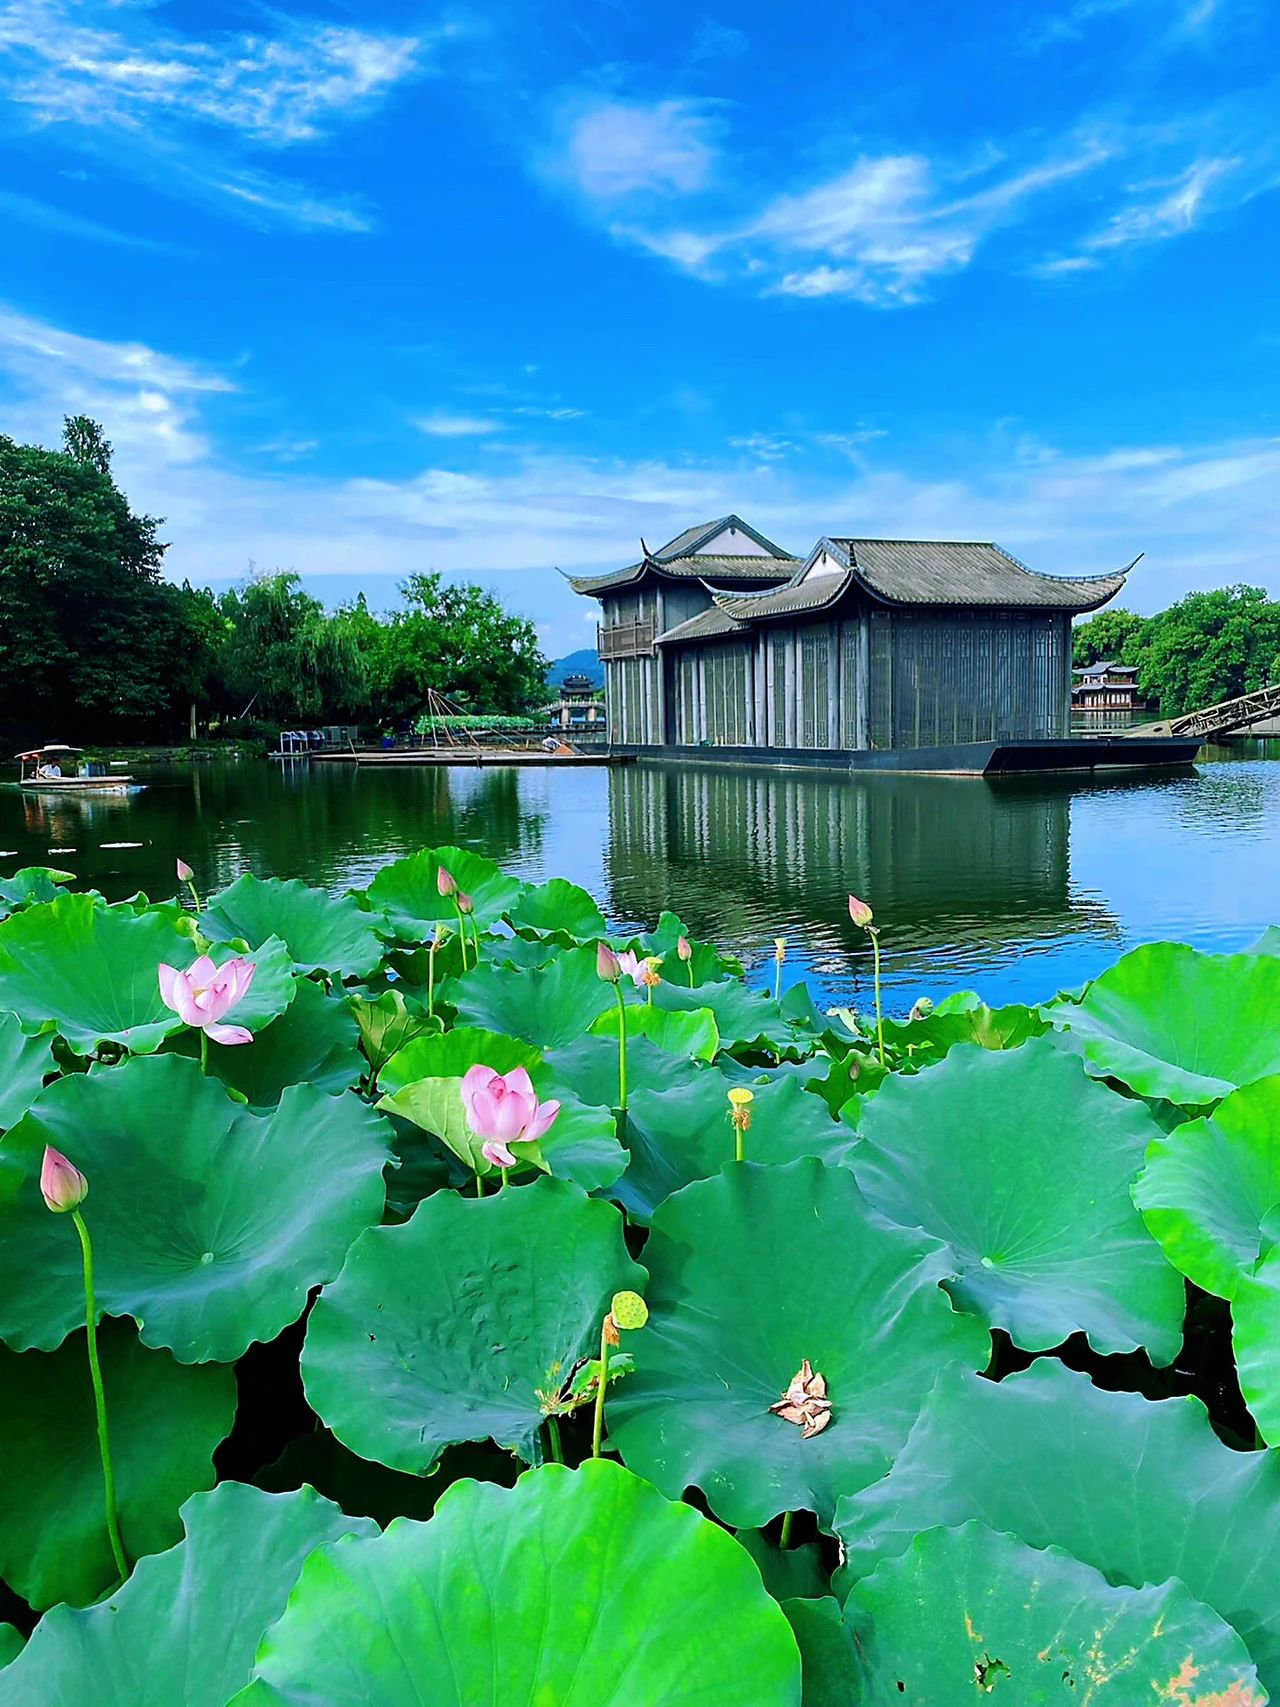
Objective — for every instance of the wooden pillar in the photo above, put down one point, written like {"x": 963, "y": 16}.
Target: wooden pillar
{"x": 834, "y": 685}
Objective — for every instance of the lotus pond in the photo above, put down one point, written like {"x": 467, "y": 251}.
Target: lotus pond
{"x": 425, "y": 1295}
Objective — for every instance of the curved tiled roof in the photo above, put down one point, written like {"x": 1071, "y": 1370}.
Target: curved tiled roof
{"x": 693, "y": 568}
{"x": 965, "y": 572}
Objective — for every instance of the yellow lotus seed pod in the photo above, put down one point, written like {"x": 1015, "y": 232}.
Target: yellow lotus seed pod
{"x": 629, "y": 1310}
{"x": 740, "y": 1096}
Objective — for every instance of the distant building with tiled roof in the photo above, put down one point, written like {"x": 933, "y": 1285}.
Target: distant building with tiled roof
{"x": 722, "y": 638}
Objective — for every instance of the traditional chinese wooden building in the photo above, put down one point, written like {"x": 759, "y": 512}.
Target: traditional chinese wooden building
{"x": 1107, "y": 690}
{"x": 907, "y": 653}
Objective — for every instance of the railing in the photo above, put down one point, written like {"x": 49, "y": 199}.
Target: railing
{"x": 1220, "y": 719}
{"x": 625, "y": 640}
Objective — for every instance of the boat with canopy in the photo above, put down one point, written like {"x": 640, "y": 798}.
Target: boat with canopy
{"x": 41, "y": 771}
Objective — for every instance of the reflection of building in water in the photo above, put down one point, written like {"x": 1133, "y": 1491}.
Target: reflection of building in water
{"x": 950, "y": 865}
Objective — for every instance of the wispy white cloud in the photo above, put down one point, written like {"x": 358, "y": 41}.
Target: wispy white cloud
{"x": 443, "y": 425}
{"x": 612, "y": 149}
{"x": 276, "y": 88}
{"x": 1165, "y": 208}
{"x": 30, "y": 210}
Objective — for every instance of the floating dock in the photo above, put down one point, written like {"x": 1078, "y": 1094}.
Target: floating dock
{"x": 415, "y": 758}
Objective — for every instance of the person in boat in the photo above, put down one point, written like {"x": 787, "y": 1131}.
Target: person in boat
{"x": 50, "y": 772}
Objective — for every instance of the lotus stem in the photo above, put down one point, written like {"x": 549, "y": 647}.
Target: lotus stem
{"x": 431, "y": 977}
{"x": 777, "y": 980}
{"x": 479, "y": 1184}
{"x": 622, "y": 1045}
{"x": 505, "y": 1171}
{"x": 99, "y": 1399}
{"x": 784, "y": 1537}
{"x": 689, "y": 963}
{"x": 597, "y": 1427}
{"x": 475, "y": 940}
{"x": 462, "y": 931}
{"x": 874, "y": 934}
{"x": 204, "y": 1051}
{"x": 650, "y": 995}
{"x": 195, "y": 893}
{"x": 553, "y": 1440}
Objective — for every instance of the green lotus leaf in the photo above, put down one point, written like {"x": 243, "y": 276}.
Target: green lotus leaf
{"x": 588, "y": 1068}
{"x": 1268, "y": 942}
{"x": 1171, "y": 1022}
{"x": 406, "y": 891}
{"x": 387, "y": 1023}
{"x": 969, "y": 1606}
{"x": 422, "y": 1083}
{"x": 30, "y": 885}
{"x": 680, "y": 1135}
{"x": 708, "y": 963}
{"x": 962, "y": 1019}
{"x": 12, "y": 1643}
{"x": 24, "y": 1061}
{"x": 322, "y": 933}
{"x": 93, "y": 970}
{"x": 828, "y": 1657}
{"x": 1141, "y": 1490}
{"x": 445, "y": 1328}
{"x": 1021, "y": 1165}
{"x": 746, "y": 1020}
{"x": 787, "y": 1572}
{"x": 522, "y": 952}
{"x": 692, "y": 1033}
{"x": 750, "y": 1274}
{"x": 548, "y": 1006}
{"x": 1208, "y": 1185}
{"x": 558, "y": 906}
{"x": 582, "y": 1588}
{"x": 210, "y": 1223}
{"x": 186, "y": 1626}
{"x": 1255, "y": 1317}
{"x": 313, "y": 1042}
{"x": 165, "y": 1420}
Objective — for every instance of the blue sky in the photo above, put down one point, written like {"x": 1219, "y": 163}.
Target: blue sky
{"x": 360, "y": 290}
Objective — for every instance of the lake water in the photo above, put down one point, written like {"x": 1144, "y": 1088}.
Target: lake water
{"x": 1017, "y": 888}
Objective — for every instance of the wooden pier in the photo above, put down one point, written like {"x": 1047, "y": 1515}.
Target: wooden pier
{"x": 413, "y": 758}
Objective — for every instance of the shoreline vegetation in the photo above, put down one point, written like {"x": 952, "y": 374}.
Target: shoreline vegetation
{"x": 689, "y": 1332}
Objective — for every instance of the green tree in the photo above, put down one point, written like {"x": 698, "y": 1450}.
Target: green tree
{"x": 1105, "y": 636}
{"x": 1209, "y": 647}
{"x": 456, "y": 639}
{"x": 92, "y": 640}
{"x": 284, "y": 658}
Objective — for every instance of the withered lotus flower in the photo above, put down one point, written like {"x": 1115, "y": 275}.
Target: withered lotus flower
{"x": 805, "y": 1402}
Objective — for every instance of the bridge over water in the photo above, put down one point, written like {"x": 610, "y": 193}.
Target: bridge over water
{"x": 1228, "y": 716}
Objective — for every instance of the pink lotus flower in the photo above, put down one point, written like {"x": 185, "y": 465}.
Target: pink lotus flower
{"x": 203, "y": 994}
{"x": 608, "y": 964}
{"x": 859, "y": 912}
{"x": 445, "y": 883}
{"x": 465, "y": 903}
{"x": 63, "y": 1186}
{"x": 503, "y": 1109}
{"x": 631, "y": 963}
{"x": 185, "y": 873}
{"x": 684, "y": 948}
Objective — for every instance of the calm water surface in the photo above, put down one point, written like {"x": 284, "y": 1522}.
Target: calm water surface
{"x": 1017, "y": 889}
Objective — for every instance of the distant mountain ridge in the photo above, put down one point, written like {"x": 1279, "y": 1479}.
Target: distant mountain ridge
{"x": 585, "y": 662}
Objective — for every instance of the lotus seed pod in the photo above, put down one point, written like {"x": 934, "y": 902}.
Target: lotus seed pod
{"x": 629, "y": 1310}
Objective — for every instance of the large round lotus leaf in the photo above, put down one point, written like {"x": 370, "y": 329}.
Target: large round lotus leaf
{"x": 315, "y": 1042}
{"x": 445, "y": 1328}
{"x": 1021, "y": 1164}
{"x": 386, "y": 1023}
{"x": 186, "y": 1626}
{"x": 751, "y": 1273}
{"x": 93, "y": 971}
{"x": 407, "y": 891}
{"x": 1208, "y": 1185}
{"x": 24, "y": 1061}
{"x": 968, "y": 1612}
{"x": 683, "y": 1134}
{"x": 558, "y": 906}
{"x": 708, "y": 963}
{"x": 210, "y": 1223}
{"x": 30, "y": 885}
{"x": 589, "y": 1069}
{"x": 746, "y": 1020}
{"x": 11, "y": 1645}
{"x": 692, "y": 1032}
{"x": 1141, "y": 1490}
{"x": 962, "y": 1018}
{"x": 547, "y": 1005}
{"x": 423, "y": 1083}
{"x": 1255, "y": 1317}
{"x": 1171, "y": 1022}
{"x": 578, "y": 1588}
{"x": 165, "y": 1421}
{"x": 323, "y": 933}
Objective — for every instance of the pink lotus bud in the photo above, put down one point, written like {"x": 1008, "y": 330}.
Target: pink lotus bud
{"x": 684, "y": 948}
{"x": 859, "y": 912}
{"x": 185, "y": 873}
{"x": 445, "y": 883}
{"x": 63, "y": 1187}
{"x": 465, "y": 903}
{"x": 608, "y": 965}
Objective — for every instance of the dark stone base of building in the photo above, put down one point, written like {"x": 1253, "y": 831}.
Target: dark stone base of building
{"x": 974, "y": 758}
